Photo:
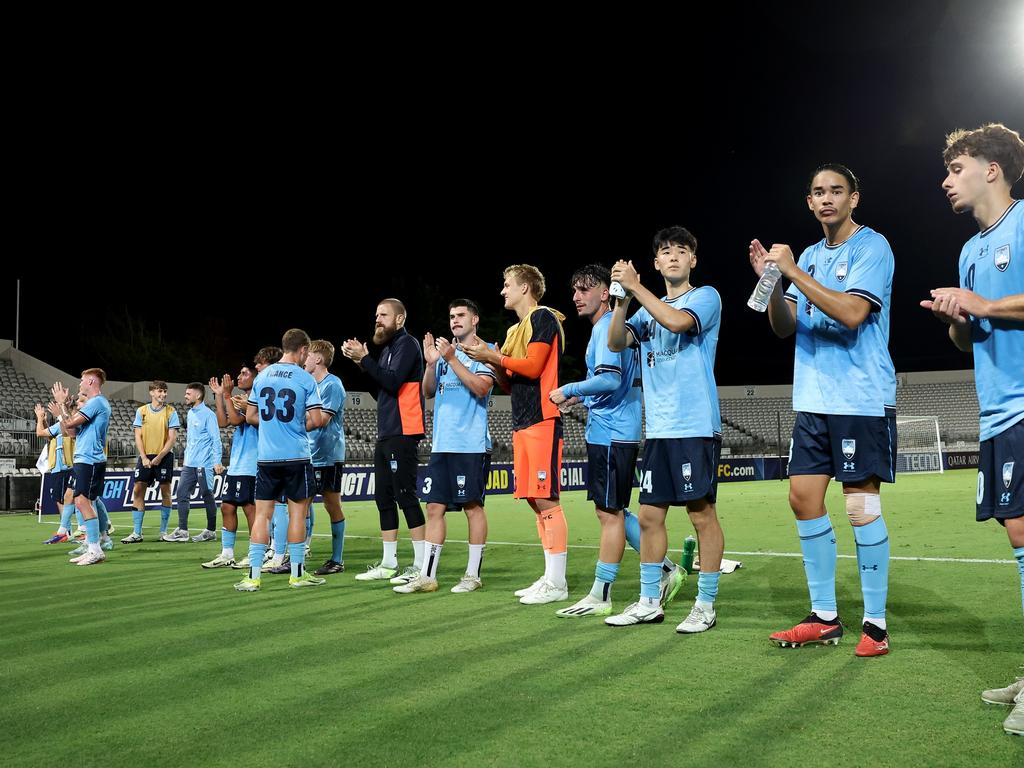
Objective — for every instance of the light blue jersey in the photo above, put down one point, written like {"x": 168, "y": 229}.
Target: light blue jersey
{"x": 91, "y": 437}
{"x": 243, "y": 450}
{"x": 60, "y": 464}
{"x": 327, "y": 445}
{"x": 612, "y": 416}
{"x": 678, "y": 369}
{"x": 836, "y": 370}
{"x": 203, "y": 448}
{"x": 460, "y": 417}
{"x": 282, "y": 394}
{"x": 992, "y": 265}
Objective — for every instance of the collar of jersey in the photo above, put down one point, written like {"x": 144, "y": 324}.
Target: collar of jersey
{"x": 1000, "y": 219}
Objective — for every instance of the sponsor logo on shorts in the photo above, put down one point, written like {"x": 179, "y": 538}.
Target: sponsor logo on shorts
{"x": 1007, "y": 473}
{"x": 460, "y": 480}
{"x": 687, "y": 471}
{"x": 1002, "y": 257}
{"x": 849, "y": 447}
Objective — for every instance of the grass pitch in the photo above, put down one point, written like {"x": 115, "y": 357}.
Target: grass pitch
{"x": 147, "y": 660}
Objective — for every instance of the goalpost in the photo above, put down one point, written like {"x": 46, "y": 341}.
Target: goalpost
{"x": 919, "y": 446}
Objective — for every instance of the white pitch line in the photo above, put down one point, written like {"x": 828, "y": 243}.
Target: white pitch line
{"x": 979, "y": 560}
{"x": 731, "y": 552}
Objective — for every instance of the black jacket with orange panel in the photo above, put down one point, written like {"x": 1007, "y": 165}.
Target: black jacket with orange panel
{"x": 398, "y": 370}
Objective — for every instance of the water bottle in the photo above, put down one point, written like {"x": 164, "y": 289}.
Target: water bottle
{"x": 689, "y": 547}
{"x": 758, "y": 300}
{"x": 616, "y": 290}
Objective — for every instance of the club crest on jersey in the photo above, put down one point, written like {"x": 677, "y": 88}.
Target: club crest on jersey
{"x": 841, "y": 269}
{"x": 687, "y": 471}
{"x": 394, "y": 465}
{"x": 849, "y": 447}
{"x": 1007, "y": 473}
{"x": 1002, "y": 257}
{"x": 650, "y": 359}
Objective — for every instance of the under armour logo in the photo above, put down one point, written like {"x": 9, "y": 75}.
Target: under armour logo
{"x": 869, "y": 567}
{"x": 849, "y": 466}
{"x": 1004, "y": 498}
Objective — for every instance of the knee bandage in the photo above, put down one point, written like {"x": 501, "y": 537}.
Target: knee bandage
{"x": 863, "y": 508}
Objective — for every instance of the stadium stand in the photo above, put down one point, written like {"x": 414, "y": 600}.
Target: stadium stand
{"x": 755, "y": 420}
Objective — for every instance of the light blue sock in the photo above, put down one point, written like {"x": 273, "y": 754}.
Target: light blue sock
{"x": 650, "y": 580}
{"x": 65, "y": 516}
{"x": 1019, "y": 554}
{"x": 280, "y": 523}
{"x": 92, "y": 531}
{"x": 137, "y": 521}
{"x": 707, "y": 586}
{"x": 227, "y": 538}
{"x": 165, "y": 517}
{"x": 310, "y": 517}
{"x": 604, "y": 577}
{"x": 298, "y": 556}
{"x": 632, "y": 525}
{"x": 101, "y": 514}
{"x": 873, "y": 558}
{"x": 818, "y": 544}
{"x": 338, "y": 541}
{"x": 79, "y": 518}
{"x": 256, "y": 554}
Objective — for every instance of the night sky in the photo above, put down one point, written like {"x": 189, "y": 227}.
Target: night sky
{"x": 205, "y": 221}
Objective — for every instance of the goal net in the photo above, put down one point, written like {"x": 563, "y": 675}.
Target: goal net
{"x": 919, "y": 445}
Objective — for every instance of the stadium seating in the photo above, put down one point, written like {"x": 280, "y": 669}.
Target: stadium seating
{"x": 750, "y": 425}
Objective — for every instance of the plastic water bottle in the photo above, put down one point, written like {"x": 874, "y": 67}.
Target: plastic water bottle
{"x": 689, "y": 547}
{"x": 616, "y": 290}
{"x": 758, "y": 300}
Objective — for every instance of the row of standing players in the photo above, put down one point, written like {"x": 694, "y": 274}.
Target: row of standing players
{"x": 837, "y": 305}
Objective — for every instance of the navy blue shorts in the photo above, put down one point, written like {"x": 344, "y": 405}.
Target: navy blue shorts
{"x": 162, "y": 472}
{"x": 328, "y": 478}
{"x": 849, "y": 448}
{"x": 87, "y": 479}
{"x": 291, "y": 480}
{"x": 610, "y": 474}
{"x": 241, "y": 490}
{"x": 1001, "y": 475}
{"x": 680, "y": 469}
{"x": 59, "y": 484}
{"x": 456, "y": 479}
